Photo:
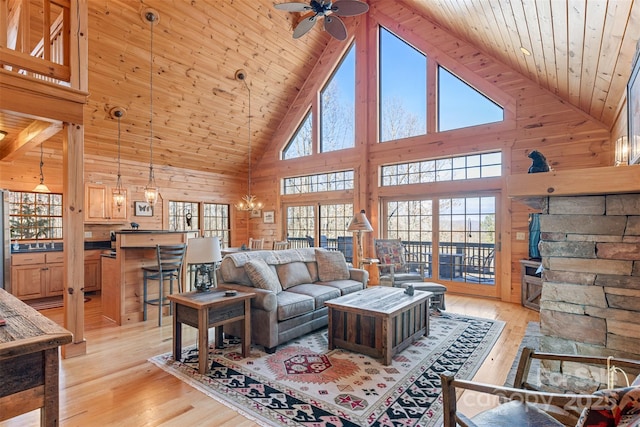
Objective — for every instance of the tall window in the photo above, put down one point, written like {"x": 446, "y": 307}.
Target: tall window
{"x": 302, "y": 142}
{"x": 460, "y": 105}
{"x": 215, "y": 222}
{"x": 467, "y": 239}
{"x": 183, "y": 216}
{"x": 403, "y": 89}
{"x": 324, "y": 225}
{"x": 337, "y": 107}
{"x": 35, "y": 215}
{"x": 412, "y": 222}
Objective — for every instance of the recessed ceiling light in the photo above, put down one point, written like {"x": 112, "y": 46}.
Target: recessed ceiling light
{"x": 525, "y": 51}
{"x": 2, "y": 134}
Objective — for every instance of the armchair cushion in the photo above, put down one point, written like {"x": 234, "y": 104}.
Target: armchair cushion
{"x": 390, "y": 253}
{"x": 331, "y": 266}
{"x": 262, "y": 276}
{"x": 515, "y": 413}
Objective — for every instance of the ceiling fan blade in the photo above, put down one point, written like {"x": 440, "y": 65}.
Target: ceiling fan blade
{"x": 334, "y": 26}
{"x": 349, "y": 8}
{"x": 293, "y": 7}
{"x": 304, "y": 26}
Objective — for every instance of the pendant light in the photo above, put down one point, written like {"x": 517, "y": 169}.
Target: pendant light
{"x": 248, "y": 202}
{"x": 118, "y": 192}
{"x": 41, "y": 188}
{"x": 151, "y": 190}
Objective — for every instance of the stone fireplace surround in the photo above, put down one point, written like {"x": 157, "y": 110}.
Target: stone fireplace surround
{"x": 590, "y": 249}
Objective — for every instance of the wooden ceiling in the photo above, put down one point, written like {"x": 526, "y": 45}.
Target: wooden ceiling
{"x": 580, "y": 50}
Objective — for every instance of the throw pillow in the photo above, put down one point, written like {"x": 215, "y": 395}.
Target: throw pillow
{"x": 293, "y": 273}
{"x": 331, "y": 266}
{"x": 262, "y": 276}
{"x": 620, "y": 402}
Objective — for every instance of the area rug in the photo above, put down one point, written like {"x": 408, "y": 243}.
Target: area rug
{"x": 304, "y": 384}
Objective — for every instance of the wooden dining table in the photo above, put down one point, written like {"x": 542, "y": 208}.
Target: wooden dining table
{"x": 29, "y": 361}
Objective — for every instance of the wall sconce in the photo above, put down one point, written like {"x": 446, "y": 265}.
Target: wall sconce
{"x": 622, "y": 151}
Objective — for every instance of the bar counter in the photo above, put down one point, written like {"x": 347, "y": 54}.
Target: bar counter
{"x": 122, "y": 272}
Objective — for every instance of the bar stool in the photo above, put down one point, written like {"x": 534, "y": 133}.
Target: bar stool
{"x": 170, "y": 259}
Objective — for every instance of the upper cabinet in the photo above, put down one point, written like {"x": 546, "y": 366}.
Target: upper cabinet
{"x": 99, "y": 206}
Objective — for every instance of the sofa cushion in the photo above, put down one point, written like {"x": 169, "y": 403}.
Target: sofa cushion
{"x": 331, "y": 265}
{"x": 313, "y": 271}
{"x": 262, "y": 276}
{"x": 292, "y": 274}
{"x": 291, "y": 304}
{"x": 344, "y": 286}
{"x": 319, "y": 293}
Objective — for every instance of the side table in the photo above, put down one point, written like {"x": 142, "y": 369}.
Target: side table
{"x": 203, "y": 310}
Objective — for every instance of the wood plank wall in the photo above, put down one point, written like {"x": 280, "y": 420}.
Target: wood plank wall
{"x": 174, "y": 183}
{"x": 534, "y": 119}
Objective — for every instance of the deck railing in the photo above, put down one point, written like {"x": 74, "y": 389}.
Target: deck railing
{"x": 35, "y": 39}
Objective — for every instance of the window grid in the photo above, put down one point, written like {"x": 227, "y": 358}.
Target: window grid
{"x": 472, "y": 166}
{"x": 331, "y": 181}
{"x": 412, "y": 222}
{"x": 178, "y": 220}
{"x": 216, "y": 222}
{"x": 301, "y": 222}
{"x": 35, "y": 215}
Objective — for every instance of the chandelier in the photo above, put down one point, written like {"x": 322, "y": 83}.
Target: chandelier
{"x": 248, "y": 202}
{"x": 151, "y": 190}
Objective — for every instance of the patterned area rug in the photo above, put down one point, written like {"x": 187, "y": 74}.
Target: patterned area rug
{"x": 303, "y": 384}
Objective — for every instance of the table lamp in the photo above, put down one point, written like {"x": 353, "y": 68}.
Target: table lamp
{"x": 359, "y": 224}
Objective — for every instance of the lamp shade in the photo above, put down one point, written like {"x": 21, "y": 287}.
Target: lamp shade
{"x": 359, "y": 222}
{"x": 203, "y": 250}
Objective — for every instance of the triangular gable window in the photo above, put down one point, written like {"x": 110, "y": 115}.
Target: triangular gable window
{"x": 301, "y": 143}
{"x": 460, "y": 105}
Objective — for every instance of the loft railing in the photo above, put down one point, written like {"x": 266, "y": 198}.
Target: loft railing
{"x": 35, "y": 39}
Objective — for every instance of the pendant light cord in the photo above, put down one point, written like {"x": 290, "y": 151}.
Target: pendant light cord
{"x": 41, "y": 164}
{"x": 118, "y": 181}
{"x": 152, "y": 19}
{"x": 249, "y": 127}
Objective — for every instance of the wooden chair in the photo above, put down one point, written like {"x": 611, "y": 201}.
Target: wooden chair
{"x": 256, "y": 243}
{"x": 278, "y": 246}
{"x": 526, "y": 404}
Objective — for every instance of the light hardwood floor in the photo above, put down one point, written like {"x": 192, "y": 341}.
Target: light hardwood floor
{"x": 113, "y": 384}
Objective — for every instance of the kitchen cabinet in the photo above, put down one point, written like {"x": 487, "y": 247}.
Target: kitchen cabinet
{"x": 99, "y": 206}
{"x": 37, "y": 275}
{"x": 92, "y": 278}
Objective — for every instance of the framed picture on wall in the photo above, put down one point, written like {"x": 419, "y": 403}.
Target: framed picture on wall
{"x": 633, "y": 110}
{"x": 269, "y": 217}
{"x": 256, "y": 213}
{"x": 142, "y": 209}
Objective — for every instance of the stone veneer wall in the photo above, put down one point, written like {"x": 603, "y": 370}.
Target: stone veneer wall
{"x": 590, "y": 248}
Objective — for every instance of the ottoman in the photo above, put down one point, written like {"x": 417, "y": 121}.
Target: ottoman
{"x": 438, "y": 290}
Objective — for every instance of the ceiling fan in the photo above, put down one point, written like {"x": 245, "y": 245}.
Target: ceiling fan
{"x": 327, "y": 9}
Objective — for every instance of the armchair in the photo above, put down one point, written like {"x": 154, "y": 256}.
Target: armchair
{"x": 527, "y": 404}
{"x": 394, "y": 268}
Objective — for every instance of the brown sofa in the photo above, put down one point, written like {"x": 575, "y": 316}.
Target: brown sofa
{"x": 291, "y": 287}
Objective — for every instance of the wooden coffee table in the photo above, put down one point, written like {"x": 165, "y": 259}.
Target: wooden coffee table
{"x": 378, "y": 321}
{"x": 203, "y": 310}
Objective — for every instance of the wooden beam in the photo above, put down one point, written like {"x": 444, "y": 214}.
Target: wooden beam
{"x": 33, "y": 135}
{"x": 73, "y": 183}
{"x": 575, "y": 182}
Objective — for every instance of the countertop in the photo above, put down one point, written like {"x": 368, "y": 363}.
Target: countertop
{"x": 58, "y": 247}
